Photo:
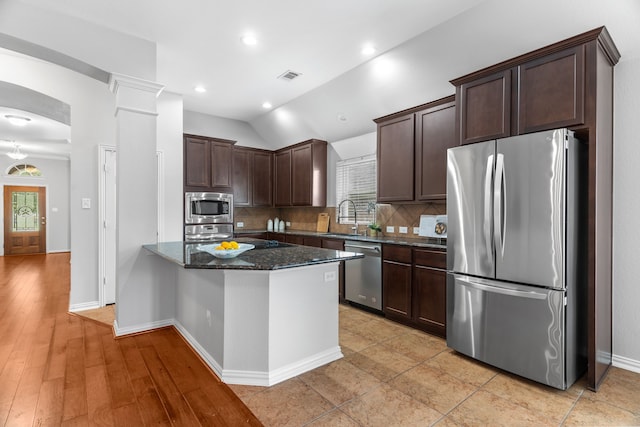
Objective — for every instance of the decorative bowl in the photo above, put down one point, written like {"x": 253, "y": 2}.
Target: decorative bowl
{"x": 225, "y": 253}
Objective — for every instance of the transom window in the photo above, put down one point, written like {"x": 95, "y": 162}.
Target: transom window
{"x": 24, "y": 170}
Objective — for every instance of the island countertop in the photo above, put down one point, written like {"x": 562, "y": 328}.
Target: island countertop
{"x": 267, "y": 255}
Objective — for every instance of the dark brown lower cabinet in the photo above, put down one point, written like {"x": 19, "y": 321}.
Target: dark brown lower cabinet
{"x": 414, "y": 287}
{"x": 430, "y": 299}
{"x": 396, "y": 281}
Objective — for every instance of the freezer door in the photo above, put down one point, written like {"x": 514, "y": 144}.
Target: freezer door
{"x": 529, "y": 209}
{"x": 469, "y": 209}
{"x": 520, "y": 329}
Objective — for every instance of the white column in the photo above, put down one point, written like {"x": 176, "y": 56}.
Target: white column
{"x": 137, "y": 289}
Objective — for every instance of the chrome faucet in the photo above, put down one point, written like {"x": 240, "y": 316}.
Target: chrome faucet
{"x": 355, "y": 215}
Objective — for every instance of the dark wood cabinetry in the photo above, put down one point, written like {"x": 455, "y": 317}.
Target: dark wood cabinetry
{"x": 395, "y": 156}
{"x": 396, "y": 281}
{"x": 412, "y": 151}
{"x": 430, "y": 290}
{"x": 414, "y": 287}
{"x": 435, "y": 134}
{"x": 252, "y": 177}
{"x": 283, "y": 178}
{"x": 546, "y": 92}
{"x": 485, "y": 108}
{"x": 567, "y": 84}
{"x": 207, "y": 164}
{"x": 301, "y": 174}
{"x": 551, "y": 91}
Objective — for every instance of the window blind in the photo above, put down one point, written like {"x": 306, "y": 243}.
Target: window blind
{"x": 356, "y": 181}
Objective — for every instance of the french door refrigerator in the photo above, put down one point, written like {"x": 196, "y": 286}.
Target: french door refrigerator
{"x": 516, "y": 288}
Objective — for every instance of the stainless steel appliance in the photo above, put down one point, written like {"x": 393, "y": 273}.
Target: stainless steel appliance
{"x": 516, "y": 288}
{"x": 208, "y": 208}
{"x": 207, "y": 232}
{"x": 363, "y": 277}
{"x": 208, "y": 217}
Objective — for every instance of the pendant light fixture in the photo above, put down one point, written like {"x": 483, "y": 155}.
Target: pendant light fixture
{"x": 16, "y": 154}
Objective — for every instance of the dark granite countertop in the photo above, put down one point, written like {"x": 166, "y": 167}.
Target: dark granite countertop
{"x": 263, "y": 257}
{"x": 423, "y": 242}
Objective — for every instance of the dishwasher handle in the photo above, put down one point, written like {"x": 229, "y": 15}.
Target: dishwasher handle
{"x": 369, "y": 249}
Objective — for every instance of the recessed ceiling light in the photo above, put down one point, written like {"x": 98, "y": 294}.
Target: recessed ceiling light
{"x": 200, "y": 89}
{"x": 266, "y": 105}
{"x": 249, "y": 40}
{"x": 17, "y": 120}
{"x": 368, "y": 50}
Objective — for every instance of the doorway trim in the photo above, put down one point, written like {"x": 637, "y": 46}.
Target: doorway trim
{"x": 102, "y": 215}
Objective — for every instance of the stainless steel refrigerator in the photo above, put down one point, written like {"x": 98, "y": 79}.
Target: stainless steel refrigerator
{"x": 516, "y": 285}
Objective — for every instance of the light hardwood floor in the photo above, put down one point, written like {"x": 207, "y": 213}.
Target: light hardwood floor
{"x": 60, "y": 369}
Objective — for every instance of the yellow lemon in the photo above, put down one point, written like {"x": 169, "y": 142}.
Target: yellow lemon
{"x": 226, "y": 245}
{"x": 219, "y": 248}
{"x": 234, "y": 244}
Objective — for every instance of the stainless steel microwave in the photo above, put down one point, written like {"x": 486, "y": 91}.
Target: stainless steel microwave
{"x": 208, "y": 208}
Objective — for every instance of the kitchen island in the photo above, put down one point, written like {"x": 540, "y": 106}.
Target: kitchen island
{"x": 260, "y": 318}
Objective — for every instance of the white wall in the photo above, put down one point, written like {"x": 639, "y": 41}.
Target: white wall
{"x": 626, "y": 215}
{"x": 97, "y": 46}
{"x": 170, "y": 144}
{"x": 56, "y": 179}
{"x": 92, "y": 123}
{"x": 219, "y": 127}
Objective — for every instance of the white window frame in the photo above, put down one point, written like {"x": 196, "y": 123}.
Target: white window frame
{"x": 356, "y": 181}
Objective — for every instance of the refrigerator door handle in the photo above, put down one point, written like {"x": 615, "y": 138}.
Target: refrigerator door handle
{"x": 487, "y": 204}
{"x": 504, "y": 291}
{"x": 499, "y": 208}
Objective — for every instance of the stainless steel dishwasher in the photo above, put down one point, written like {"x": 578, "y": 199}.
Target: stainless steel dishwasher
{"x": 363, "y": 277}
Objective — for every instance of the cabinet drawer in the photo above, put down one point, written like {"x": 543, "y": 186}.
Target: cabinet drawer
{"x": 333, "y": 244}
{"x": 429, "y": 258}
{"x": 396, "y": 253}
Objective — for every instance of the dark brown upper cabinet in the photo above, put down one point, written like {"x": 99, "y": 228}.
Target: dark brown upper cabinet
{"x": 435, "y": 134}
{"x": 485, "y": 108}
{"x": 544, "y": 91}
{"x": 301, "y": 174}
{"x": 252, "y": 177}
{"x": 551, "y": 91}
{"x": 412, "y": 152}
{"x": 395, "y": 158}
{"x": 207, "y": 164}
{"x": 283, "y": 178}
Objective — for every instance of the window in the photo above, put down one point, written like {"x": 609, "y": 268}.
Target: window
{"x": 356, "y": 182}
{"x": 24, "y": 170}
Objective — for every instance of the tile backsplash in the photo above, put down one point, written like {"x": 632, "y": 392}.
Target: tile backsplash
{"x": 304, "y": 219}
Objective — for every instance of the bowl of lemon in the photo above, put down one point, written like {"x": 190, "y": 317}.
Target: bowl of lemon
{"x": 226, "y": 249}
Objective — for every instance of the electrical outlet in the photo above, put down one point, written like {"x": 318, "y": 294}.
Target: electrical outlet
{"x": 239, "y": 224}
{"x": 287, "y": 223}
{"x": 416, "y": 230}
{"x": 403, "y": 230}
{"x": 330, "y": 276}
{"x": 391, "y": 229}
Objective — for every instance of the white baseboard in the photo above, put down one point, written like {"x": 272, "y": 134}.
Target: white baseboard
{"x": 626, "y": 363}
{"x": 84, "y": 306}
{"x": 59, "y": 251}
{"x": 276, "y": 376}
{"x": 208, "y": 359}
{"x": 260, "y": 378}
{"x": 144, "y": 327}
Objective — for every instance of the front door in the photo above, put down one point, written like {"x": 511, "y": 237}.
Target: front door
{"x": 25, "y": 223}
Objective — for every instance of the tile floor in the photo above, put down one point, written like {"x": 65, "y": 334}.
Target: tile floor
{"x": 392, "y": 375}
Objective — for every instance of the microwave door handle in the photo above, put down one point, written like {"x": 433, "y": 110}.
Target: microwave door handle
{"x": 499, "y": 207}
{"x": 487, "y": 206}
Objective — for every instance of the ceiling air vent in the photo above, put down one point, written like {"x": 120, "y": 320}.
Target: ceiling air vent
{"x": 289, "y": 75}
